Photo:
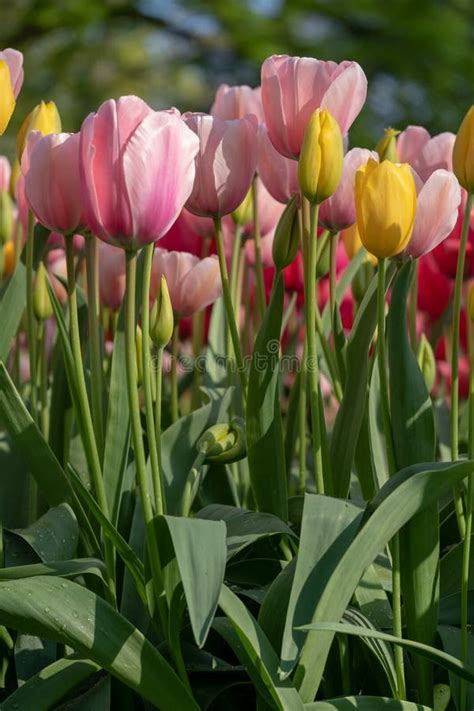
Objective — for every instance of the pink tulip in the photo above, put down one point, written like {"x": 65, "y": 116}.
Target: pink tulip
{"x": 14, "y": 59}
{"x": 410, "y": 143}
{"x": 225, "y": 163}
{"x": 5, "y": 174}
{"x": 111, "y": 275}
{"x": 277, "y": 173}
{"x": 436, "y": 153}
{"x": 436, "y": 213}
{"x": 294, "y": 87}
{"x": 338, "y": 212}
{"x": 137, "y": 171}
{"x": 193, "y": 283}
{"x": 52, "y": 185}
{"x": 235, "y": 102}
{"x": 56, "y": 266}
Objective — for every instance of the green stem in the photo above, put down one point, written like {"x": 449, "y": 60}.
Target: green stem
{"x": 312, "y": 367}
{"x": 343, "y": 644}
{"x": 384, "y": 400}
{"x": 412, "y": 307}
{"x": 234, "y": 275}
{"x": 231, "y": 323}
{"x": 159, "y": 383}
{"x": 30, "y": 316}
{"x": 94, "y": 336}
{"x": 147, "y": 384}
{"x": 43, "y": 379}
{"x": 302, "y": 424}
{"x": 455, "y": 357}
{"x": 328, "y": 355}
{"x": 261, "y": 302}
{"x": 466, "y": 553}
{"x": 89, "y": 442}
{"x": 137, "y": 438}
{"x": 332, "y": 273}
{"x": 174, "y": 373}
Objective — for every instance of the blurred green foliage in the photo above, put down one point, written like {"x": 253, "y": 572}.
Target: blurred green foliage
{"x": 418, "y": 56}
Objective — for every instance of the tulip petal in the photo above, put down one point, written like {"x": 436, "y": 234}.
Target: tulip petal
{"x": 346, "y": 95}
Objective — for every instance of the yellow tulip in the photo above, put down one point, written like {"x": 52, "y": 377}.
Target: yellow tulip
{"x": 385, "y": 199}
{"x": 463, "y": 152}
{"x": 7, "y": 100}
{"x": 320, "y": 162}
{"x": 387, "y": 146}
{"x": 44, "y": 118}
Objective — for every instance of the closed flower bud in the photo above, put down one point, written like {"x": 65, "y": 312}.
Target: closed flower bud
{"x": 44, "y": 118}
{"x": 427, "y": 362}
{"x": 385, "y": 197}
{"x": 7, "y": 100}
{"x": 161, "y": 318}
{"x": 470, "y": 302}
{"x": 322, "y": 153}
{"x": 139, "y": 349}
{"x": 6, "y": 217}
{"x": 41, "y": 302}
{"x": 242, "y": 215}
{"x": 9, "y": 258}
{"x": 287, "y": 235}
{"x": 463, "y": 152}
{"x": 223, "y": 443}
{"x": 387, "y": 146}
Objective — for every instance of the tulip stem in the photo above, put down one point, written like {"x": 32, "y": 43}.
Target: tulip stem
{"x": 310, "y": 258}
{"x": 332, "y": 275}
{"x": 43, "y": 379}
{"x": 413, "y": 306}
{"x": 147, "y": 386}
{"x": 89, "y": 441}
{"x": 231, "y": 323}
{"x": 137, "y": 438}
{"x": 159, "y": 383}
{"x": 455, "y": 357}
{"x": 30, "y": 316}
{"x": 261, "y": 301}
{"x": 466, "y": 552}
{"x": 174, "y": 373}
{"x": 95, "y": 349}
{"x": 384, "y": 401}
{"x": 302, "y": 424}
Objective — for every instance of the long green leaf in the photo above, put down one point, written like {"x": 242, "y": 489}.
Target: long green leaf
{"x": 62, "y": 568}
{"x": 401, "y": 498}
{"x": 365, "y": 703}
{"x": 68, "y": 613}
{"x": 266, "y": 453}
{"x": 451, "y": 641}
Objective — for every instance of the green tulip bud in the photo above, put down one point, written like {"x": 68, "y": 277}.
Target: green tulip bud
{"x": 42, "y": 306}
{"x": 224, "y": 443}
{"x": 161, "y": 317}
{"x": 426, "y": 361}
{"x": 287, "y": 235}
{"x": 387, "y": 146}
{"x": 6, "y": 217}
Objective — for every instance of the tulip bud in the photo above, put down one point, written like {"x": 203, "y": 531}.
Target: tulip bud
{"x": 470, "y": 302}
{"x": 324, "y": 255}
{"x": 7, "y": 100}
{"x": 242, "y": 215}
{"x": 161, "y": 317}
{"x": 139, "y": 350}
{"x": 426, "y": 361}
{"x": 41, "y": 302}
{"x": 320, "y": 162}
{"x": 223, "y": 443}
{"x": 387, "y": 146}
{"x": 44, "y": 118}
{"x": 15, "y": 174}
{"x": 385, "y": 198}
{"x": 6, "y": 217}
{"x": 9, "y": 258}
{"x": 463, "y": 152}
{"x": 287, "y": 235}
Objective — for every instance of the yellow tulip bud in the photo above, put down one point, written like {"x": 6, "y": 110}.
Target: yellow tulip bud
{"x": 44, "y": 118}
{"x": 41, "y": 302}
{"x": 7, "y": 97}
{"x": 9, "y": 258}
{"x": 15, "y": 174}
{"x": 161, "y": 317}
{"x": 320, "y": 162}
{"x": 287, "y": 235}
{"x": 470, "y": 302}
{"x": 243, "y": 214}
{"x": 463, "y": 152}
{"x": 385, "y": 199}
{"x": 427, "y": 362}
{"x": 387, "y": 146}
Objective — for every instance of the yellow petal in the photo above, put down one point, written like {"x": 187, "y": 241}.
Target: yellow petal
{"x": 7, "y": 97}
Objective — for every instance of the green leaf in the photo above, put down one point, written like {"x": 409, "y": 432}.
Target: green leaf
{"x": 451, "y": 641}
{"x": 68, "y": 613}
{"x": 266, "y": 454}
{"x": 215, "y": 375}
{"x": 435, "y": 655}
{"x": 53, "y": 682}
{"x": 244, "y": 527}
{"x": 200, "y": 551}
{"x": 13, "y": 301}
{"x": 54, "y": 536}
{"x": 414, "y": 441}
{"x": 365, "y": 703}
{"x": 329, "y": 526}
{"x": 62, "y": 568}
{"x": 401, "y": 498}
{"x": 254, "y": 651}
{"x": 13, "y": 485}
{"x": 451, "y": 567}
{"x": 351, "y": 411}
